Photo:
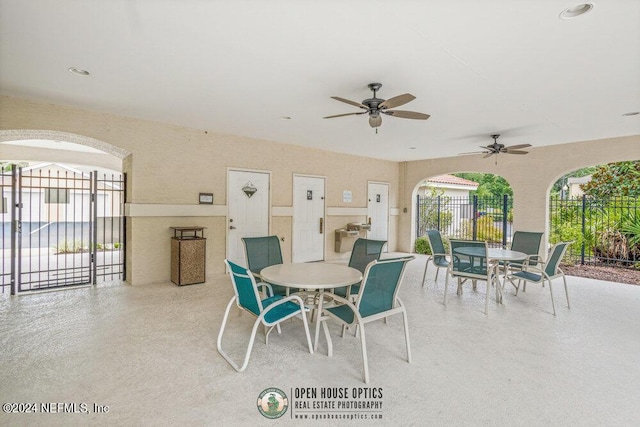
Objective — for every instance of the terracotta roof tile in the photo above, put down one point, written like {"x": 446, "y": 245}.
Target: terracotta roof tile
{"x": 450, "y": 179}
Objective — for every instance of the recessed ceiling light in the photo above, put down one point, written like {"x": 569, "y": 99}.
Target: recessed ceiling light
{"x": 79, "y": 71}
{"x": 633, "y": 113}
{"x": 575, "y": 11}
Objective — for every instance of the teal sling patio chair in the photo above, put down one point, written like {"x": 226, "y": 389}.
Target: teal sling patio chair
{"x": 364, "y": 251}
{"x": 269, "y": 312}
{"x": 261, "y": 252}
{"x": 527, "y": 242}
{"x": 438, "y": 254}
{"x": 469, "y": 262}
{"x": 544, "y": 271}
{"x": 377, "y": 299}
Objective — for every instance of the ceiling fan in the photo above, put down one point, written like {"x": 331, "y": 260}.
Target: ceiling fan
{"x": 495, "y": 149}
{"x": 377, "y": 106}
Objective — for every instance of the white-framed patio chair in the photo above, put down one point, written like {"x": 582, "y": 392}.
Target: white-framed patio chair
{"x": 377, "y": 299}
{"x": 527, "y": 242}
{"x": 364, "y": 251}
{"x": 270, "y": 311}
{"x": 438, "y": 256}
{"x": 544, "y": 271}
{"x": 261, "y": 252}
{"x": 474, "y": 267}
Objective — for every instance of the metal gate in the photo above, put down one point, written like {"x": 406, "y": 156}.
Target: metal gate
{"x": 61, "y": 227}
{"x": 474, "y": 218}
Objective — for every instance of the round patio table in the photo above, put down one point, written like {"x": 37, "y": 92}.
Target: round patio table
{"x": 497, "y": 254}
{"x": 315, "y": 277}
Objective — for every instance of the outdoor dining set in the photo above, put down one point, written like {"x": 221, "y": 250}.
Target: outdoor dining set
{"x": 366, "y": 289}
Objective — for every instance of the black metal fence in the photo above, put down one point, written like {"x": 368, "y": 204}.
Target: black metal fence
{"x": 474, "y": 218}
{"x": 601, "y": 229}
{"x": 60, "y": 227}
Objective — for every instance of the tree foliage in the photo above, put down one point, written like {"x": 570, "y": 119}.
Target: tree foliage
{"x": 489, "y": 185}
{"x": 614, "y": 179}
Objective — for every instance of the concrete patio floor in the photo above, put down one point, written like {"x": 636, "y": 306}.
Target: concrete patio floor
{"x": 147, "y": 355}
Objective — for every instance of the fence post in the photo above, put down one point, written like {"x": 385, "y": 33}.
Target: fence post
{"x": 475, "y": 217}
{"x": 505, "y": 201}
{"x": 438, "y": 220}
{"x": 418, "y": 214}
{"x": 582, "y": 246}
{"x": 14, "y": 227}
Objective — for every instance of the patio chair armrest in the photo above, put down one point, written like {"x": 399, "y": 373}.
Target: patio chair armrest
{"x": 293, "y": 298}
{"x": 534, "y": 258}
{"x": 356, "y": 314}
{"x": 267, "y": 286}
{"x": 533, "y": 269}
{"x": 337, "y": 298}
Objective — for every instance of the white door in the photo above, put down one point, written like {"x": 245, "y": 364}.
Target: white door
{"x": 248, "y": 207}
{"x": 378, "y": 211}
{"x": 308, "y": 219}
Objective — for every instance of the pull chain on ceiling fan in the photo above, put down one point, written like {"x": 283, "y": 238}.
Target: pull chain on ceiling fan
{"x": 376, "y": 106}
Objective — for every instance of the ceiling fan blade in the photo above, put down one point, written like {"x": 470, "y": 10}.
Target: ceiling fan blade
{"x": 346, "y": 101}
{"x": 345, "y": 114}
{"x": 397, "y": 101}
{"x": 376, "y": 121}
{"x": 509, "y": 151}
{"x": 516, "y": 147}
{"x": 472, "y": 152}
{"x": 407, "y": 114}
{"x": 488, "y": 155}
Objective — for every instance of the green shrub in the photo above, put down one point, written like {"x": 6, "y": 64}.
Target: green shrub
{"x": 67, "y": 247}
{"x": 422, "y": 246}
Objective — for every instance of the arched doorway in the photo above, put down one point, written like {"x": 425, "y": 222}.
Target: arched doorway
{"x": 462, "y": 208}
{"x": 62, "y": 222}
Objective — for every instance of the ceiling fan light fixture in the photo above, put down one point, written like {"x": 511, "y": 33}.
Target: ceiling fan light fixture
{"x": 375, "y": 106}
{"x": 575, "y": 11}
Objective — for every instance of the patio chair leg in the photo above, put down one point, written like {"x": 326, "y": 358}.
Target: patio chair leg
{"x": 424, "y": 275}
{"x": 437, "y": 271}
{"x": 267, "y": 332}
{"x": 552, "y": 302}
{"x": 406, "y": 335}
{"x": 566, "y": 291}
{"x": 249, "y": 347}
{"x": 518, "y": 287}
{"x": 363, "y": 343}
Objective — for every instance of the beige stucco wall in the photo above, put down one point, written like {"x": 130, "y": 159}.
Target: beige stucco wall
{"x": 530, "y": 176}
{"x": 167, "y": 166}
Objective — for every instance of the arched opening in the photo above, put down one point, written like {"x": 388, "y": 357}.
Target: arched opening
{"x": 472, "y": 206}
{"x": 598, "y": 209}
{"x": 62, "y": 211}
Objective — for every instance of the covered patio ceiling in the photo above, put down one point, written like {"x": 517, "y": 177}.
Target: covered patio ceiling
{"x": 268, "y": 69}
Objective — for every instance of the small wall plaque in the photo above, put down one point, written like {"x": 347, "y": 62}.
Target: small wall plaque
{"x": 206, "y": 198}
